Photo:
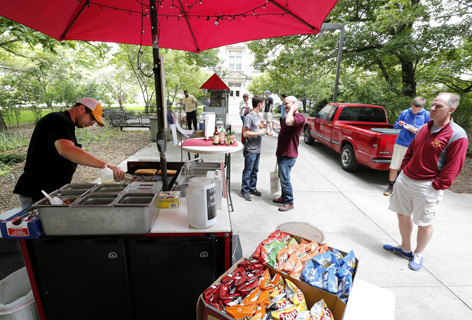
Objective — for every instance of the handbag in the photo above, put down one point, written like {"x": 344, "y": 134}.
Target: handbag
{"x": 274, "y": 180}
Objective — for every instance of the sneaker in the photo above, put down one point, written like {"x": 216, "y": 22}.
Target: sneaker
{"x": 416, "y": 263}
{"x": 286, "y": 207}
{"x": 246, "y": 196}
{"x": 256, "y": 192}
{"x": 388, "y": 191}
{"x": 278, "y": 200}
{"x": 399, "y": 251}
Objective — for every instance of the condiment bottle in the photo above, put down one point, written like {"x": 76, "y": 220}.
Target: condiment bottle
{"x": 216, "y": 136}
{"x": 222, "y": 136}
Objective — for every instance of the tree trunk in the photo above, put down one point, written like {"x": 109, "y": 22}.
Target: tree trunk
{"x": 3, "y": 125}
{"x": 408, "y": 79}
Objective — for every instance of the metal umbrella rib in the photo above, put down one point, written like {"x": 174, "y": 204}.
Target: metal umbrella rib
{"x": 292, "y": 14}
{"x": 74, "y": 19}
{"x": 189, "y": 26}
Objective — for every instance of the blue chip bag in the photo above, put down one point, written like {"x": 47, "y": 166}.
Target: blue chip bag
{"x": 343, "y": 271}
{"x": 337, "y": 257}
{"x": 350, "y": 259}
{"x": 312, "y": 275}
{"x": 330, "y": 281}
{"x": 347, "y": 285}
{"x": 324, "y": 260}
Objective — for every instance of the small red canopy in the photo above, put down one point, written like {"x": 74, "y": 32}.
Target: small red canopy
{"x": 214, "y": 83}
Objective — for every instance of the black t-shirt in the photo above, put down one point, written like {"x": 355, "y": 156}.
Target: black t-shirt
{"x": 45, "y": 169}
{"x": 268, "y": 102}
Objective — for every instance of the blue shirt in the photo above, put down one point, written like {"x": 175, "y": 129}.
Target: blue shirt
{"x": 417, "y": 120}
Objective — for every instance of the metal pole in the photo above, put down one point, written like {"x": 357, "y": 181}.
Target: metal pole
{"x": 161, "y": 135}
{"x": 340, "y": 53}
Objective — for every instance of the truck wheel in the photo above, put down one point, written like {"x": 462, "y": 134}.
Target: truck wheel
{"x": 307, "y": 136}
{"x": 348, "y": 158}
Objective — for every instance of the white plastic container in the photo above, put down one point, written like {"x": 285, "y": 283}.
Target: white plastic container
{"x": 16, "y": 297}
{"x": 216, "y": 177}
{"x": 106, "y": 175}
{"x": 201, "y": 202}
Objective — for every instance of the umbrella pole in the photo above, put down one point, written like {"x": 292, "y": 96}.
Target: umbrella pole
{"x": 161, "y": 135}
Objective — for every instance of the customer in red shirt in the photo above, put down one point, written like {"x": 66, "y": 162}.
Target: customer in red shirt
{"x": 287, "y": 150}
{"x": 434, "y": 159}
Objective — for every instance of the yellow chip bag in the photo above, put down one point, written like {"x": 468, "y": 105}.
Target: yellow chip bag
{"x": 295, "y": 295}
{"x": 284, "y": 314}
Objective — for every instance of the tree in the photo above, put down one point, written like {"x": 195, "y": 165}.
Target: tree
{"x": 402, "y": 42}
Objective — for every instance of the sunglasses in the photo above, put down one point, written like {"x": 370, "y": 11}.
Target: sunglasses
{"x": 90, "y": 113}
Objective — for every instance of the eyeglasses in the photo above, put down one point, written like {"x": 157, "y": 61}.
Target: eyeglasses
{"x": 90, "y": 113}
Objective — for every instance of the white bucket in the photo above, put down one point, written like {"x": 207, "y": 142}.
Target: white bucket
{"x": 201, "y": 202}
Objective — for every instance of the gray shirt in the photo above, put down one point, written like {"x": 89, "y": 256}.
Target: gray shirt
{"x": 253, "y": 122}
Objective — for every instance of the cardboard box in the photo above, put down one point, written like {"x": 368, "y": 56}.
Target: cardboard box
{"x": 169, "y": 199}
{"x": 29, "y": 226}
{"x": 312, "y": 294}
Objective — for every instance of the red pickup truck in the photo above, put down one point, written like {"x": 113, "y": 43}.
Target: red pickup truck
{"x": 360, "y": 132}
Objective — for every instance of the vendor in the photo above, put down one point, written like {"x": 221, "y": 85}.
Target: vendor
{"x": 53, "y": 152}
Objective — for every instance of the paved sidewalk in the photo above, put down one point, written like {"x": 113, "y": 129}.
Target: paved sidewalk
{"x": 351, "y": 210}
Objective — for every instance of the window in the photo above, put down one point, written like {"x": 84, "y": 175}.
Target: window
{"x": 363, "y": 114}
{"x": 235, "y": 58}
{"x": 237, "y": 93}
{"x": 323, "y": 114}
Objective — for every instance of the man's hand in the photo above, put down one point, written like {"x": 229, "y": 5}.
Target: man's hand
{"x": 262, "y": 132}
{"x": 118, "y": 174}
{"x": 401, "y": 123}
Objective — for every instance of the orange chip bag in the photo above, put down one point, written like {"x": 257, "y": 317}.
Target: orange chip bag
{"x": 285, "y": 252}
{"x": 252, "y": 297}
{"x": 292, "y": 261}
{"x": 264, "y": 281}
{"x": 240, "y": 311}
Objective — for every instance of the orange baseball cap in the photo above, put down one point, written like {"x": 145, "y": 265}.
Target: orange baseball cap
{"x": 96, "y": 108}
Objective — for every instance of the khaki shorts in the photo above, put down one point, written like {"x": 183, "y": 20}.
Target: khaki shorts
{"x": 267, "y": 116}
{"x": 397, "y": 156}
{"x": 415, "y": 198}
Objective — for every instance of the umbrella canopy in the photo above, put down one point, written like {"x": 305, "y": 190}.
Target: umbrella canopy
{"x": 214, "y": 83}
{"x": 190, "y": 25}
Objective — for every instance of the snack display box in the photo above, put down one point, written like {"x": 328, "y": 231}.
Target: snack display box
{"x": 23, "y": 225}
{"x": 312, "y": 294}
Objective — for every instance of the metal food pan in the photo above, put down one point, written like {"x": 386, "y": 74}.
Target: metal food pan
{"x": 206, "y": 165}
{"x": 136, "y": 199}
{"x": 110, "y": 188}
{"x": 97, "y": 200}
{"x": 44, "y": 202}
{"x": 139, "y": 186}
{"x": 75, "y": 186}
{"x": 69, "y": 192}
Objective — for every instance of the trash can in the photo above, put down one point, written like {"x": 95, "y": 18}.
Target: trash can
{"x": 16, "y": 297}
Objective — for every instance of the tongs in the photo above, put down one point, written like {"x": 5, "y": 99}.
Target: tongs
{"x": 30, "y": 213}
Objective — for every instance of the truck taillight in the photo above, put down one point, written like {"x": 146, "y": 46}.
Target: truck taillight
{"x": 375, "y": 141}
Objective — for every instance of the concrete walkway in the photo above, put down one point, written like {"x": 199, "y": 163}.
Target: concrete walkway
{"x": 352, "y": 212}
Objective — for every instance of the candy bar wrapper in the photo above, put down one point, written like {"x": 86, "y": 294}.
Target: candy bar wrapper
{"x": 320, "y": 311}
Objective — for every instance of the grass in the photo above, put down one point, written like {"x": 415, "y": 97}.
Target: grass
{"x": 10, "y": 141}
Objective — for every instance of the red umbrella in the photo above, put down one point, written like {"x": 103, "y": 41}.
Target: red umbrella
{"x": 191, "y": 25}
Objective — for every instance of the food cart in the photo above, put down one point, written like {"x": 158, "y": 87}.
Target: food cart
{"x": 218, "y": 93}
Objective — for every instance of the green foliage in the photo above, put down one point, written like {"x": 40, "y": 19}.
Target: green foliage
{"x": 12, "y": 158}
{"x": 87, "y": 135}
{"x": 10, "y": 141}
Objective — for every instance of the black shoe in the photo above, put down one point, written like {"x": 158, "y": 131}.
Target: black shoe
{"x": 256, "y": 192}
{"x": 246, "y": 196}
{"x": 388, "y": 191}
